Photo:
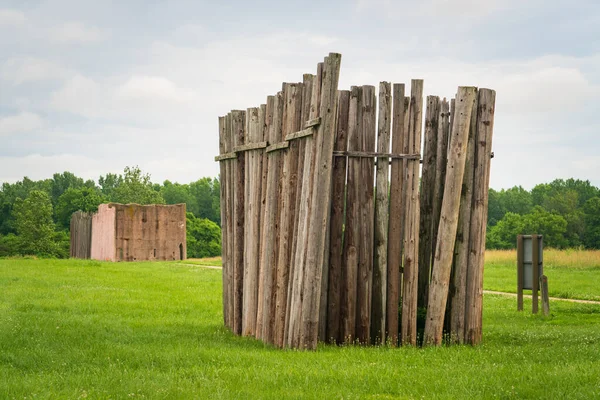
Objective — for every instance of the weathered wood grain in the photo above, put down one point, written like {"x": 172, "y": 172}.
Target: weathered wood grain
{"x": 338, "y": 195}
{"x": 408, "y": 329}
{"x": 481, "y": 183}
{"x": 379, "y": 300}
{"x": 426, "y": 198}
{"x": 396, "y": 234}
{"x": 438, "y": 293}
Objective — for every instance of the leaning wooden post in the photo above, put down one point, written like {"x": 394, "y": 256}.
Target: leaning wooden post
{"x": 338, "y": 195}
{"x": 441, "y": 160}
{"x": 321, "y": 197}
{"x": 286, "y": 211}
{"x": 442, "y": 263}
{"x": 411, "y": 230}
{"x": 427, "y": 200}
{"x": 461, "y": 247}
{"x": 396, "y": 235}
{"x": 481, "y": 184}
{"x": 378, "y": 306}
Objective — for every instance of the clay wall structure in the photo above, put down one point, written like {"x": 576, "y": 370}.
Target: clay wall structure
{"x": 133, "y": 232}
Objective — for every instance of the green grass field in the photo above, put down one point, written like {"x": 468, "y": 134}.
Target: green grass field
{"x": 572, "y": 274}
{"x": 84, "y": 329}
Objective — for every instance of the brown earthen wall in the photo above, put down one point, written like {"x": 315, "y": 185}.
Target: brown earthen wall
{"x": 152, "y": 232}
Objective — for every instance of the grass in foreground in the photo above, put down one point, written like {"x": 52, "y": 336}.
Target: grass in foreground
{"x": 572, "y": 274}
{"x": 76, "y": 329}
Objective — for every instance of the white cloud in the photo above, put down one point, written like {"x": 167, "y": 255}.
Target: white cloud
{"x": 30, "y": 69}
{"x": 23, "y": 122}
{"x": 76, "y": 32}
{"x": 153, "y": 88}
{"x": 12, "y": 18}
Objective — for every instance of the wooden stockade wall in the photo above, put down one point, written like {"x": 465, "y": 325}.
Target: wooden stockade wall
{"x": 330, "y": 232}
{"x": 81, "y": 235}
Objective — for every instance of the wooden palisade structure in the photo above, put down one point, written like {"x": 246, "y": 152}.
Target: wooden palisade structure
{"x": 328, "y": 234}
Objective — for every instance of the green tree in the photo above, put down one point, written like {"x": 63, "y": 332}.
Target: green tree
{"x": 34, "y": 225}
{"x": 503, "y": 235}
{"x": 203, "y": 237}
{"x": 108, "y": 183}
{"x": 62, "y": 182}
{"x": 206, "y": 194}
{"x": 591, "y": 216}
{"x": 553, "y": 226}
{"x": 84, "y": 199}
{"x": 135, "y": 187}
{"x": 175, "y": 193}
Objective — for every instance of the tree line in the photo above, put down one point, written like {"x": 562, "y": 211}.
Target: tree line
{"x": 566, "y": 212}
{"x": 35, "y": 215}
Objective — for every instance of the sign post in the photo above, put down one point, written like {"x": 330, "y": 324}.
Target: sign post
{"x": 530, "y": 267}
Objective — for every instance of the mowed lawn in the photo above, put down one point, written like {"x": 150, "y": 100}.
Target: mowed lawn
{"x": 84, "y": 329}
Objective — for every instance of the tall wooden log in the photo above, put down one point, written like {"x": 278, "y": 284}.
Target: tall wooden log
{"x": 238, "y": 126}
{"x": 441, "y": 160}
{"x": 263, "y": 198}
{"x": 338, "y": 195}
{"x": 321, "y": 197}
{"x": 352, "y": 227}
{"x": 270, "y": 233}
{"x": 396, "y": 234}
{"x": 223, "y": 180}
{"x": 481, "y": 183}
{"x": 444, "y": 252}
{"x": 290, "y": 124}
{"x": 379, "y": 297}
{"x": 411, "y": 227}
{"x": 366, "y": 217}
{"x": 461, "y": 248}
{"x": 304, "y": 207}
{"x": 254, "y": 130}
{"x": 427, "y": 195}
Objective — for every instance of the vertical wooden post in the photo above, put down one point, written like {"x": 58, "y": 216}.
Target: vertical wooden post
{"x": 535, "y": 261}
{"x": 366, "y": 217}
{"x": 426, "y": 201}
{"x": 461, "y": 247}
{"x": 263, "y": 163}
{"x": 254, "y": 131}
{"x": 520, "y": 272}
{"x": 481, "y": 183}
{"x": 352, "y": 227}
{"x": 238, "y": 124}
{"x": 444, "y": 251}
{"x": 396, "y": 235}
{"x": 223, "y": 183}
{"x": 411, "y": 231}
{"x": 379, "y": 302}
{"x": 321, "y": 196}
{"x": 305, "y": 152}
{"x": 270, "y": 233}
{"x": 338, "y": 195}
{"x": 290, "y": 124}
{"x": 441, "y": 160}
{"x": 545, "y": 298}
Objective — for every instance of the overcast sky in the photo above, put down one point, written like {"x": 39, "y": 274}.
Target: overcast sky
{"x": 93, "y": 86}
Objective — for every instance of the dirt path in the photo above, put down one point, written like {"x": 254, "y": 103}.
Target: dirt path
{"x": 551, "y": 298}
